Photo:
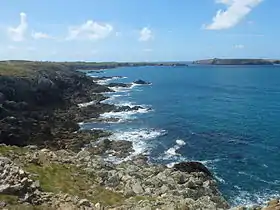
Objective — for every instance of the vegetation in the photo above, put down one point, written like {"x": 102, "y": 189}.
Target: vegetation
{"x": 9, "y": 150}
{"x": 73, "y": 181}
{"x": 23, "y": 68}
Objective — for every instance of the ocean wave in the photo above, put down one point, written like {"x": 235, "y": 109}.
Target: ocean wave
{"x": 139, "y": 138}
{"x": 124, "y": 115}
{"x": 173, "y": 150}
{"x": 111, "y": 99}
{"x": 107, "y": 81}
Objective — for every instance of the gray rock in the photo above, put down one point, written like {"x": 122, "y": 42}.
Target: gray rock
{"x": 84, "y": 202}
{"x": 4, "y": 188}
{"x": 31, "y": 147}
{"x": 35, "y": 184}
{"x": 2, "y": 204}
{"x": 113, "y": 181}
{"x": 164, "y": 189}
{"x": 137, "y": 188}
{"x": 4, "y": 160}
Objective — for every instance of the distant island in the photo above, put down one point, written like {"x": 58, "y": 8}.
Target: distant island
{"x": 217, "y": 61}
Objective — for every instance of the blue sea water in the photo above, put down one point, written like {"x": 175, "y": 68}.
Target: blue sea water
{"x": 228, "y": 117}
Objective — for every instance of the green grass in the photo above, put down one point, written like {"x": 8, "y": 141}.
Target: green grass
{"x": 9, "y": 199}
{"x": 7, "y": 150}
{"x": 72, "y": 180}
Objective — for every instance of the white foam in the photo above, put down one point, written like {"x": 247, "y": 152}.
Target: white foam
{"x": 180, "y": 142}
{"x": 173, "y": 150}
{"x": 124, "y": 89}
{"x": 111, "y": 99}
{"x": 86, "y": 104}
{"x": 139, "y": 138}
{"x": 106, "y": 81}
{"x": 124, "y": 115}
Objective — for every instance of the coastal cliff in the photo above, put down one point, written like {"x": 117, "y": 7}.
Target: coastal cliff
{"x": 47, "y": 162}
{"x": 217, "y": 61}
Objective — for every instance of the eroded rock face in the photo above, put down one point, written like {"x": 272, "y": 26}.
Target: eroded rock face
{"x": 42, "y": 109}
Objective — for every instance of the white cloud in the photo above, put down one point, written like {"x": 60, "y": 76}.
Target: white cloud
{"x": 239, "y": 46}
{"x": 40, "y": 35}
{"x": 90, "y": 31}
{"x": 145, "y": 34}
{"x": 17, "y": 34}
{"x": 235, "y": 12}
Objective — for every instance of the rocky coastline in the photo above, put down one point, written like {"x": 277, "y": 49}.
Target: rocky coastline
{"x": 47, "y": 162}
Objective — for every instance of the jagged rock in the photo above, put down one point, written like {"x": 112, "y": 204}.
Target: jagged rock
{"x": 190, "y": 167}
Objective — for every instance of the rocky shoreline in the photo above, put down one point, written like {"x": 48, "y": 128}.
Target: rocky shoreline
{"x": 47, "y": 162}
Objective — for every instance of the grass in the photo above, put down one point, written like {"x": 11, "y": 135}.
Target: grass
{"x": 7, "y": 150}
{"x": 9, "y": 199}
{"x": 65, "y": 178}
{"x": 73, "y": 181}
{"x": 7, "y": 69}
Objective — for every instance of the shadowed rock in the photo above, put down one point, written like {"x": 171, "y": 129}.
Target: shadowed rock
{"x": 191, "y": 167}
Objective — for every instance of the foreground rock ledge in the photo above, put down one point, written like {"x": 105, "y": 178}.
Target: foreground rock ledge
{"x": 67, "y": 180}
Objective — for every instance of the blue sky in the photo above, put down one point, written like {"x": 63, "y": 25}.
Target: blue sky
{"x": 134, "y": 30}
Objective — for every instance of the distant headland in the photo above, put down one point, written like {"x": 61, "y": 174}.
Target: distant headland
{"x": 217, "y": 61}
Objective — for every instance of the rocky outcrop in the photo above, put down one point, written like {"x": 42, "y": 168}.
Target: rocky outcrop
{"x": 119, "y": 85}
{"x": 135, "y": 184}
{"x": 190, "y": 167}
{"x": 141, "y": 82}
{"x": 33, "y": 109}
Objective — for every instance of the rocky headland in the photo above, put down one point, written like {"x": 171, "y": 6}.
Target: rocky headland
{"x": 47, "y": 162}
{"x": 218, "y": 61}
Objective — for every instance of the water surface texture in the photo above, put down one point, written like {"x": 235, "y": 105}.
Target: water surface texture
{"x": 225, "y": 116}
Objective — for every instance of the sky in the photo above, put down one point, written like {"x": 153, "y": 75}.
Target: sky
{"x": 139, "y": 30}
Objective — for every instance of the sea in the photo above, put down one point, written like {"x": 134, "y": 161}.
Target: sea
{"x": 226, "y": 117}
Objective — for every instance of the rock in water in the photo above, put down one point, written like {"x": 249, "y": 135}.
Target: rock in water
{"x": 191, "y": 167}
{"x": 141, "y": 82}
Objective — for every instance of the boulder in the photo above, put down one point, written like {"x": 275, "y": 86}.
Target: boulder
{"x": 190, "y": 167}
{"x": 137, "y": 188}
